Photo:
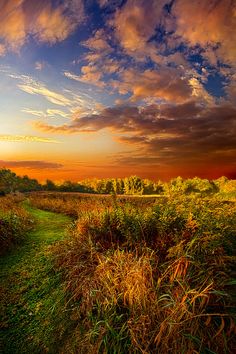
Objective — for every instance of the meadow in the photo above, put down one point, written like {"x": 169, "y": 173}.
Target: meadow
{"x": 146, "y": 275}
{"x": 152, "y": 275}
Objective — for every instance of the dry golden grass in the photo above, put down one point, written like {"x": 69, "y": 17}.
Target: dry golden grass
{"x": 151, "y": 280}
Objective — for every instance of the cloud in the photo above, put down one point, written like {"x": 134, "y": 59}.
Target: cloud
{"x": 22, "y": 19}
{"x": 169, "y": 133}
{"x": 135, "y": 23}
{"x": 72, "y": 76}
{"x": 199, "y": 91}
{"x": 99, "y": 61}
{"x": 166, "y": 83}
{"x": 212, "y": 26}
{"x": 40, "y": 65}
{"x": 94, "y": 72}
{"x": 90, "y": 75}
{"x": 70, "y": 100}
{"x": 33, "y": 112}
{"x": 56, "y": 112}
{"x": 2, "y": 50}
{"x": 12, "y": 29}
{"x": 231, "y": 88}
{"x": 31, "y": 165}
{"x": 48, "y": 113}
{"x": 36, "y": 88}
{"x": 111, "y": 4}
{"x": 98, "y": 42}
{"x": 26, "y": 139}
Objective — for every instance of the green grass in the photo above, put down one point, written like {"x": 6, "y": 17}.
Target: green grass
{"x": 31, "y": 293}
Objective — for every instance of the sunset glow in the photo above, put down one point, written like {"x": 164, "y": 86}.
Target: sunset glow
{"x": 115, "y": 88}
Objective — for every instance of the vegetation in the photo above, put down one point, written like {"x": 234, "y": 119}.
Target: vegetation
{"x": 10, "y": 182}
{"x": 152, "y": 274}
{"x": 133, "y": 185}
{"x": 15, "y": 221}
{"x": 149, "y": 278}
{"x": 32, "y": 299}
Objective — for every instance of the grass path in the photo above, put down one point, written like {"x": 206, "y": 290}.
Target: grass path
{"x": 31, "y": 293}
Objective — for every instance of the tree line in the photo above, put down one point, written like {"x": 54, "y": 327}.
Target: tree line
{"x": 133, "y": 185}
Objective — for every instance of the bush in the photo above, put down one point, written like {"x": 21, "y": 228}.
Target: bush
{"x": 14, "y": 222}
{"x": 152, "y": 279}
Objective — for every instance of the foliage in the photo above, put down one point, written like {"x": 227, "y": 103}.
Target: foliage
{"x": 150, "y": 277}
{"x": 132, "y": 185}
{"x": 10, "y": 182}
{"x": 15, "y": 221}
{"x": 150, "y": 274}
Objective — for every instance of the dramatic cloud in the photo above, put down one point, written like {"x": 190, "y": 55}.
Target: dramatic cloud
{"x": 98, "y": 43}
{"x": 90, "y": 75}
{"x": 26, "y": 139}
{"x": 99, "y": 60}
{"x": 212, "y": 26}
{"x": 156, "y": 76}
{"x": 22, "y": 19}
{"x": 31, "y": 165}
{"x": 165, "y": 84}
{"x": 167, "y": 134}
{"x": 135, "y": 23}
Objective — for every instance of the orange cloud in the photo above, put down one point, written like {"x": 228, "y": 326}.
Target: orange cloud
{"x": 98, "y": 42}
{"x": 90, "y": 74}
{"x": 99, "y": 62}
{"x": 52, "y": 26}
{"x": 12, "y": 19}
{"x": 2, "y": 50}
{"x": 167, "y": 84}
{"x": 23, "y": 18}
{"x": 212, "y": 24}
{"x": 37, "y": 165}
{"x": 135, "y": 23}
{"x": 26, "y": 138}
{"x": 186, "y": 133}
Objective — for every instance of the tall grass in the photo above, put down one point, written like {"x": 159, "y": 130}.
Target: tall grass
{"x": 150, "y": 278}
{"x": 15, "y": 221}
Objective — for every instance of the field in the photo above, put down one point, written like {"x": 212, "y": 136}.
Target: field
{"x": 132, "y": 275}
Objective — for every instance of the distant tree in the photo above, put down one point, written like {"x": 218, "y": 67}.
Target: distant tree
{"x": 10, "y": 182}
{"x": 226, "y": 187}
{"x": 49, "y": 185}
{"x": 201, "y": 186}
{"x": 221, "y": 182}
{"x": 118, "y": 185}
{"x": 69, "y": 186}
{"x": 133, "y": 185}
{"x": 176, "y": 186}
{"x": 159, "y": 187}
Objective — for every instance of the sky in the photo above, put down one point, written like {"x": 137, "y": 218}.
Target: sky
{"x": 112, "y": 88}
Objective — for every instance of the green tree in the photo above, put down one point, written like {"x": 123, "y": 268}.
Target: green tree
{"x": 49, "y": 185}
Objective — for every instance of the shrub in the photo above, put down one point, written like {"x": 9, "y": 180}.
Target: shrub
{"x": 14, "y": 222}
{"x": 154, "y": 279}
